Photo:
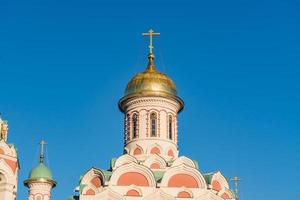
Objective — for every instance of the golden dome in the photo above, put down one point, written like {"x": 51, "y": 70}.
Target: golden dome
{"x": 150, "y": 83}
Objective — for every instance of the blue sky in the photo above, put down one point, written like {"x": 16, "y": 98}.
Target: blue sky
{"x": 65, "y": 64}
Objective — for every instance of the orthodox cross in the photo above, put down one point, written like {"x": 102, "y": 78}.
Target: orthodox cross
{"x": 42, "y": 143}
{"x": 150, "y": 33}
{"x": 236, "y": 181}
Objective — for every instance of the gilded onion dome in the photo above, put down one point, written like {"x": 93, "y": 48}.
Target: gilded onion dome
{"x": 150, "y": 83}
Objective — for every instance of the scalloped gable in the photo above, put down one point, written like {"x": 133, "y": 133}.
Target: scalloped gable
{"x": 159, "y": 195}
{"x": 107, "y": 194}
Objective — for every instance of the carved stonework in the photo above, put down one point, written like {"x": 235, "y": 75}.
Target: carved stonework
{"x": 3, "y": 130}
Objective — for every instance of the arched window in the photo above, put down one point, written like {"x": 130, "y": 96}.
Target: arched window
{"x": 90, "y": 192}
{"x": 153, "y": 120}
{"x": 183, "y": 180}
{"x": 134, "y": 125}
{"x": 170, "y": 127}
{"x": 127, "y": 131}
{"x": 184, "y": 194}
{"x": 97, "y": 182}
{"x": 133, "y": 178}
{"x": 216, "y": 185}
{"x": 137, "y": 151}
{"x": 133, "y": 192}
{"x": 225, "y": 196}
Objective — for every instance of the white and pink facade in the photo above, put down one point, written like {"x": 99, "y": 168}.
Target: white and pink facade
{"x": 151, "y": 167}
{"x": 9, "y": 165}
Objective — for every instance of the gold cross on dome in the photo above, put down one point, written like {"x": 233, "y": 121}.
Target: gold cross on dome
{"x": 42, "y": 143}
{"x": 150, "y": 33}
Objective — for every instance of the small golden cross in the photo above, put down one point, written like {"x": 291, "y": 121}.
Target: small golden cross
{"x": 42, "y": 143}
{"x": 150, "y": 33}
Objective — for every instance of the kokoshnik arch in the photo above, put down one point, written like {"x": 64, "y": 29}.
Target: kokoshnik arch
{"x": 149, "y": 169}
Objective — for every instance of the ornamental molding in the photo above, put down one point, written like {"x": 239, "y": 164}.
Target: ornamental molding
{"x": 207, "y": 196}
{"x": 184, "y": 169}
{"x": 125, "y": 159}
{"x": 227, "y": 191}
{"x": 159, "y": 195}
{"x": 150, "y": 147}
{"x": 155, "y": 158}
{"x": 152, "y": 101}
{"x": 39, "y": 194}
{"x": 221, "y": 179}
{"x": 9, "y": 151}
{"x": 175, "y": 151}
{"x": 108, "y": 193}
{"x": 184, "y": 160}
{"x": 88, "y": 176}
{"x": 154, "y": 139}
{"x": 134, "y": 187}
{"x": 7, "y": 172}
{"x": 131, "y": 152}
{"x": 91, "y": 173}
{"x": 40, "y": 186}
{"x": 133, "y": 167}
{"x": 185, "y": 189}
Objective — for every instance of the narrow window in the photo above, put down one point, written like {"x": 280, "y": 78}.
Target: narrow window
{"x": 127, "y": 127}
{"x": 134, "y": 125}
{"x": 153, "y": 120}
{"x": 170, "y": 127}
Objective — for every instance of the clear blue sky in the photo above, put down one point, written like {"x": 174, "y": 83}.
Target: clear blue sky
{"x": 65, "y": 64}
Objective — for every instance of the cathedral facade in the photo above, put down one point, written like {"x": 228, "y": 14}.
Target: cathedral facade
{"x": 150, "y": 168}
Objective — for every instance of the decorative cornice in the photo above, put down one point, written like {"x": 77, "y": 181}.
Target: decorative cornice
{"x": 125, "y": 103}
{"x": 39, "y": 180}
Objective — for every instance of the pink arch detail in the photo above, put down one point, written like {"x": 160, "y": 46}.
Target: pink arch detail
{"x": 184, "y": 194}
{"x": 155, "y": 150}
{"x": 133, "y": 193}
{"x": 183, "y": 180}
{"x": 132, "y": 178}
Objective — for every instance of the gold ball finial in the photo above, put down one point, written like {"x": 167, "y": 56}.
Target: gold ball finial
{"x": 151, "y": 65}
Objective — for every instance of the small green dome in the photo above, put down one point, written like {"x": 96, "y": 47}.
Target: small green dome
{"x": 40, "y": 172}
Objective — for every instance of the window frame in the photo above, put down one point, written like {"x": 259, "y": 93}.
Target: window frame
{"x": 153, "y": 124}
{"x": 135, "y": 123}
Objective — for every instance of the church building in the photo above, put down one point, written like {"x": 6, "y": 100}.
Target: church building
{"x": 150, "y": 167}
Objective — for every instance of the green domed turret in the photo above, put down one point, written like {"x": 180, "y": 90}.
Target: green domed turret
{"x": 40, "y": 173}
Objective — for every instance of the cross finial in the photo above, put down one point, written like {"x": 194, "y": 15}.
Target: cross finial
{"x": 42, "y": 143}
{"x": 151, "y": 33}
{"x": 236, "y": 181}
